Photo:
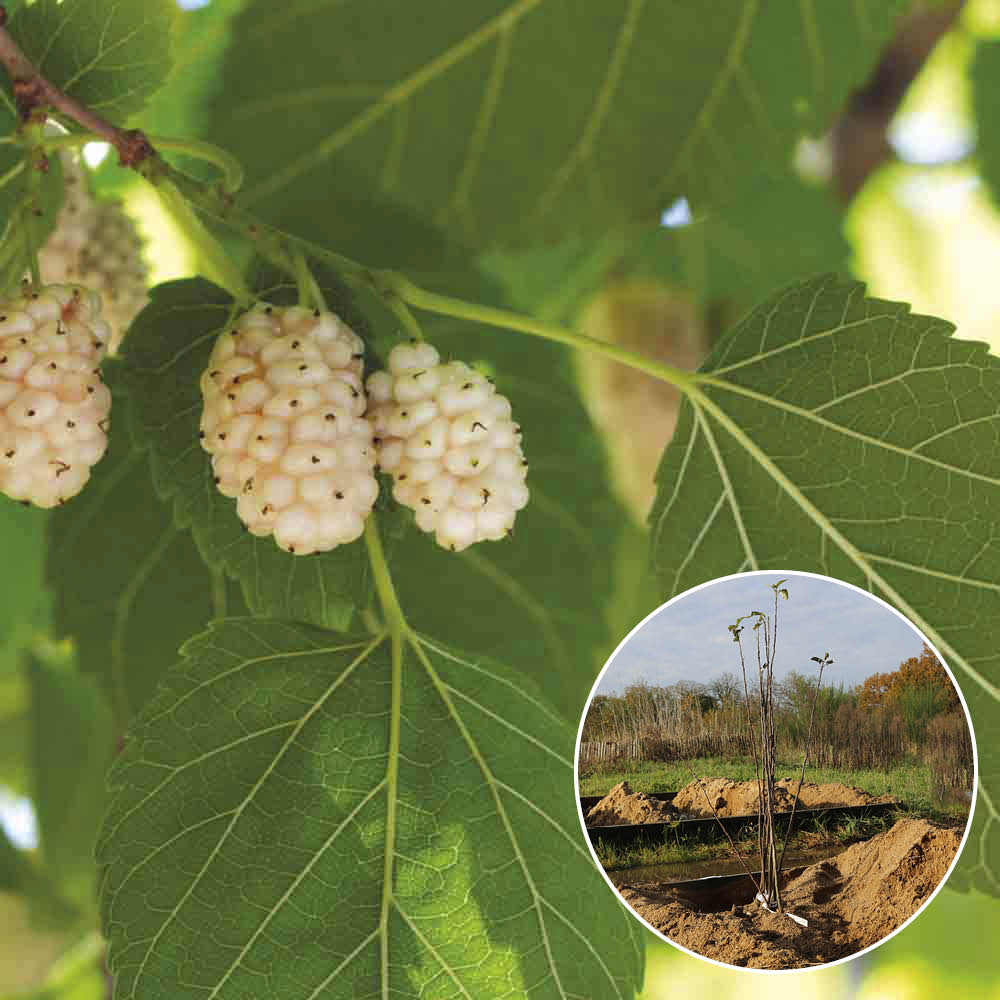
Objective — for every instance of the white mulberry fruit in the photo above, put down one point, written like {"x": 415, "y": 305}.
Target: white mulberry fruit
{"x": 284, "y": 423}
{"x": 112, "y": 264}
{"x": 54, "y": 407}
{"x": 447, "y": 437}
{"x": 95, "y": 244}
{"x": 73, "y": 226}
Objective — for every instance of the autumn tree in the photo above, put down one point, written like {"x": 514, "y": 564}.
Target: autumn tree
{"x": 923, "y": 671}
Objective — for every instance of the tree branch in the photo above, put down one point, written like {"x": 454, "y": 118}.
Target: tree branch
{"x": 860, "y": 141}
{"x": 33, "y": 93}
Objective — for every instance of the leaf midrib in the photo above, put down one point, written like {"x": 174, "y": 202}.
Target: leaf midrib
{"x": 874, "y": 442}
{"x": 445, "y": 693}
{"x": 393, "y": 96}
{"x": 846, "y": 547}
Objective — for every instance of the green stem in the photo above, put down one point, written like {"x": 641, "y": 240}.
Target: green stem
{"x": 310, "y": 294}
{"x": 405, "y": 317}
{"x": 217, "y": 263}
{"x": 399, "y": 632}
{"x": 392, "y": 286}
{"x": 232, "y": 169}
{"x": 33, "y": 266}
{"x": 219, "y": 595}
{"x": 271, "y": 242}
{"x": 445, "y": 305}
{"x": 391, "y": 781}
{"x": 229, "y": 166}
{"x": 72, "y": 140}
{"x": 72, "y": 964}
{"x": 31, "y": 206}
{"x": 14, "y": 171}
{"x": 392, "y": 611}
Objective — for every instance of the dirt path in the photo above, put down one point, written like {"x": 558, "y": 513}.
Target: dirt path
{"x": 851, "y": 901}
{"x": 622, "y": 805}
{"x": 739, "y": 798}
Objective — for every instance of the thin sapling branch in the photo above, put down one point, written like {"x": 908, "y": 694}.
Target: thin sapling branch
{"x": 825, "y": 661}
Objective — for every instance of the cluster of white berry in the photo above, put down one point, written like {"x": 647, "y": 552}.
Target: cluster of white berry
{"x": 284, "y": 423}
{"x": 447, "y": 437}
{"x": 295, "y": 439}
{"x": 54, "y": 408}
{"x": 96, "y": 245}
{"x": 295, "y": 434}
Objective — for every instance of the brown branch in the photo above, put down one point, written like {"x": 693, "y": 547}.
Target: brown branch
{"x": 34, "y": 93}
{"x": 722, "y": 826}
{"x": 860, "y": 141}
{"x": 805, "y": 758}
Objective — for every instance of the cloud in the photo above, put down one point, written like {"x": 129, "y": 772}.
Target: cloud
{"x": 689, "y": 641}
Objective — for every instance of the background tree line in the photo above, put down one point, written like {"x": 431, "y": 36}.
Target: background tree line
{"x": 912, "y": 711}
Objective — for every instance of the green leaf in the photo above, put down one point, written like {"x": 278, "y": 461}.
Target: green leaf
{"x": 72, "y": 745}
{"x": 165, "y": 354}
{"x": 985, "y": 78}
{"x": 15, "y": 868}
{"x": 541, "y": 597}
{"x": 845, "y": 436}
{"x": 946, "y": 942}
{"x": 15, "y": 726}
{"x": 525, "y": 121}
{"x": 109, "y": 56}
{"x": 23, "y": 599}
{"x": 734, "y": 252}
{"x": 130, "y": 586}
{"x": 739, "y": 250}
{"x": 365, "y": 830}
{"x": 201, "y": 37}
{"x": 29, "y": 201}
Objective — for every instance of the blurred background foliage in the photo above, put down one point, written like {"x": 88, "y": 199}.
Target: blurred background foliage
{"x": 903, "y": 191}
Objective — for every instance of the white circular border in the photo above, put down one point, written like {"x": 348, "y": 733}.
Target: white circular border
{"x": 743, "y": 968}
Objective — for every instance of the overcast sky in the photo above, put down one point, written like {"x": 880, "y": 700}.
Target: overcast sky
{"x": 689, "y": 641}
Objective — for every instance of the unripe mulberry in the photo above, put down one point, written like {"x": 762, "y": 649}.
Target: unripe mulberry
{"x": 284, "y": 423}
{"x": 73, "y": 227}
{"x": 95, "y": 244}
{"x": 54, "y": 407}
{"x": 112, "y": 264}
{"x": 447, "y": 437}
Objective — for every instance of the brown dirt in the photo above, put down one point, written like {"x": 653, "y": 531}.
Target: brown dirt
{"x": 622, "y": 805}
{"x": 851, "y": 901}
{"x": 739, "y": 798}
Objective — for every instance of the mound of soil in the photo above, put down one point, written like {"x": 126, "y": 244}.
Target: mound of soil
{"x": 739, "y": 798}
{"x": 622, "y": 805}
{"x": 851, "y": 901}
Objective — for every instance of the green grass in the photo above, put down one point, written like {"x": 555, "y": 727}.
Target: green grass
{"x": 909, "y": 781}
{"x": 692, "y": 850}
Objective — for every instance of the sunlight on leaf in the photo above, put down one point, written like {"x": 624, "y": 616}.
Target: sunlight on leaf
{"x": 353, "y": 843}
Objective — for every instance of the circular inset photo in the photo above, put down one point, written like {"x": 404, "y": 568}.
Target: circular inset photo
{"x": 776, "y": 771}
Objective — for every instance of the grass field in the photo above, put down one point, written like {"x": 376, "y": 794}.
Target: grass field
{"x": 910, "y": 782}
{"x": 681, "y": 851}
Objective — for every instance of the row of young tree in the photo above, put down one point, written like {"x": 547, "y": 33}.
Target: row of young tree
{"x": 911, "y": 711}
